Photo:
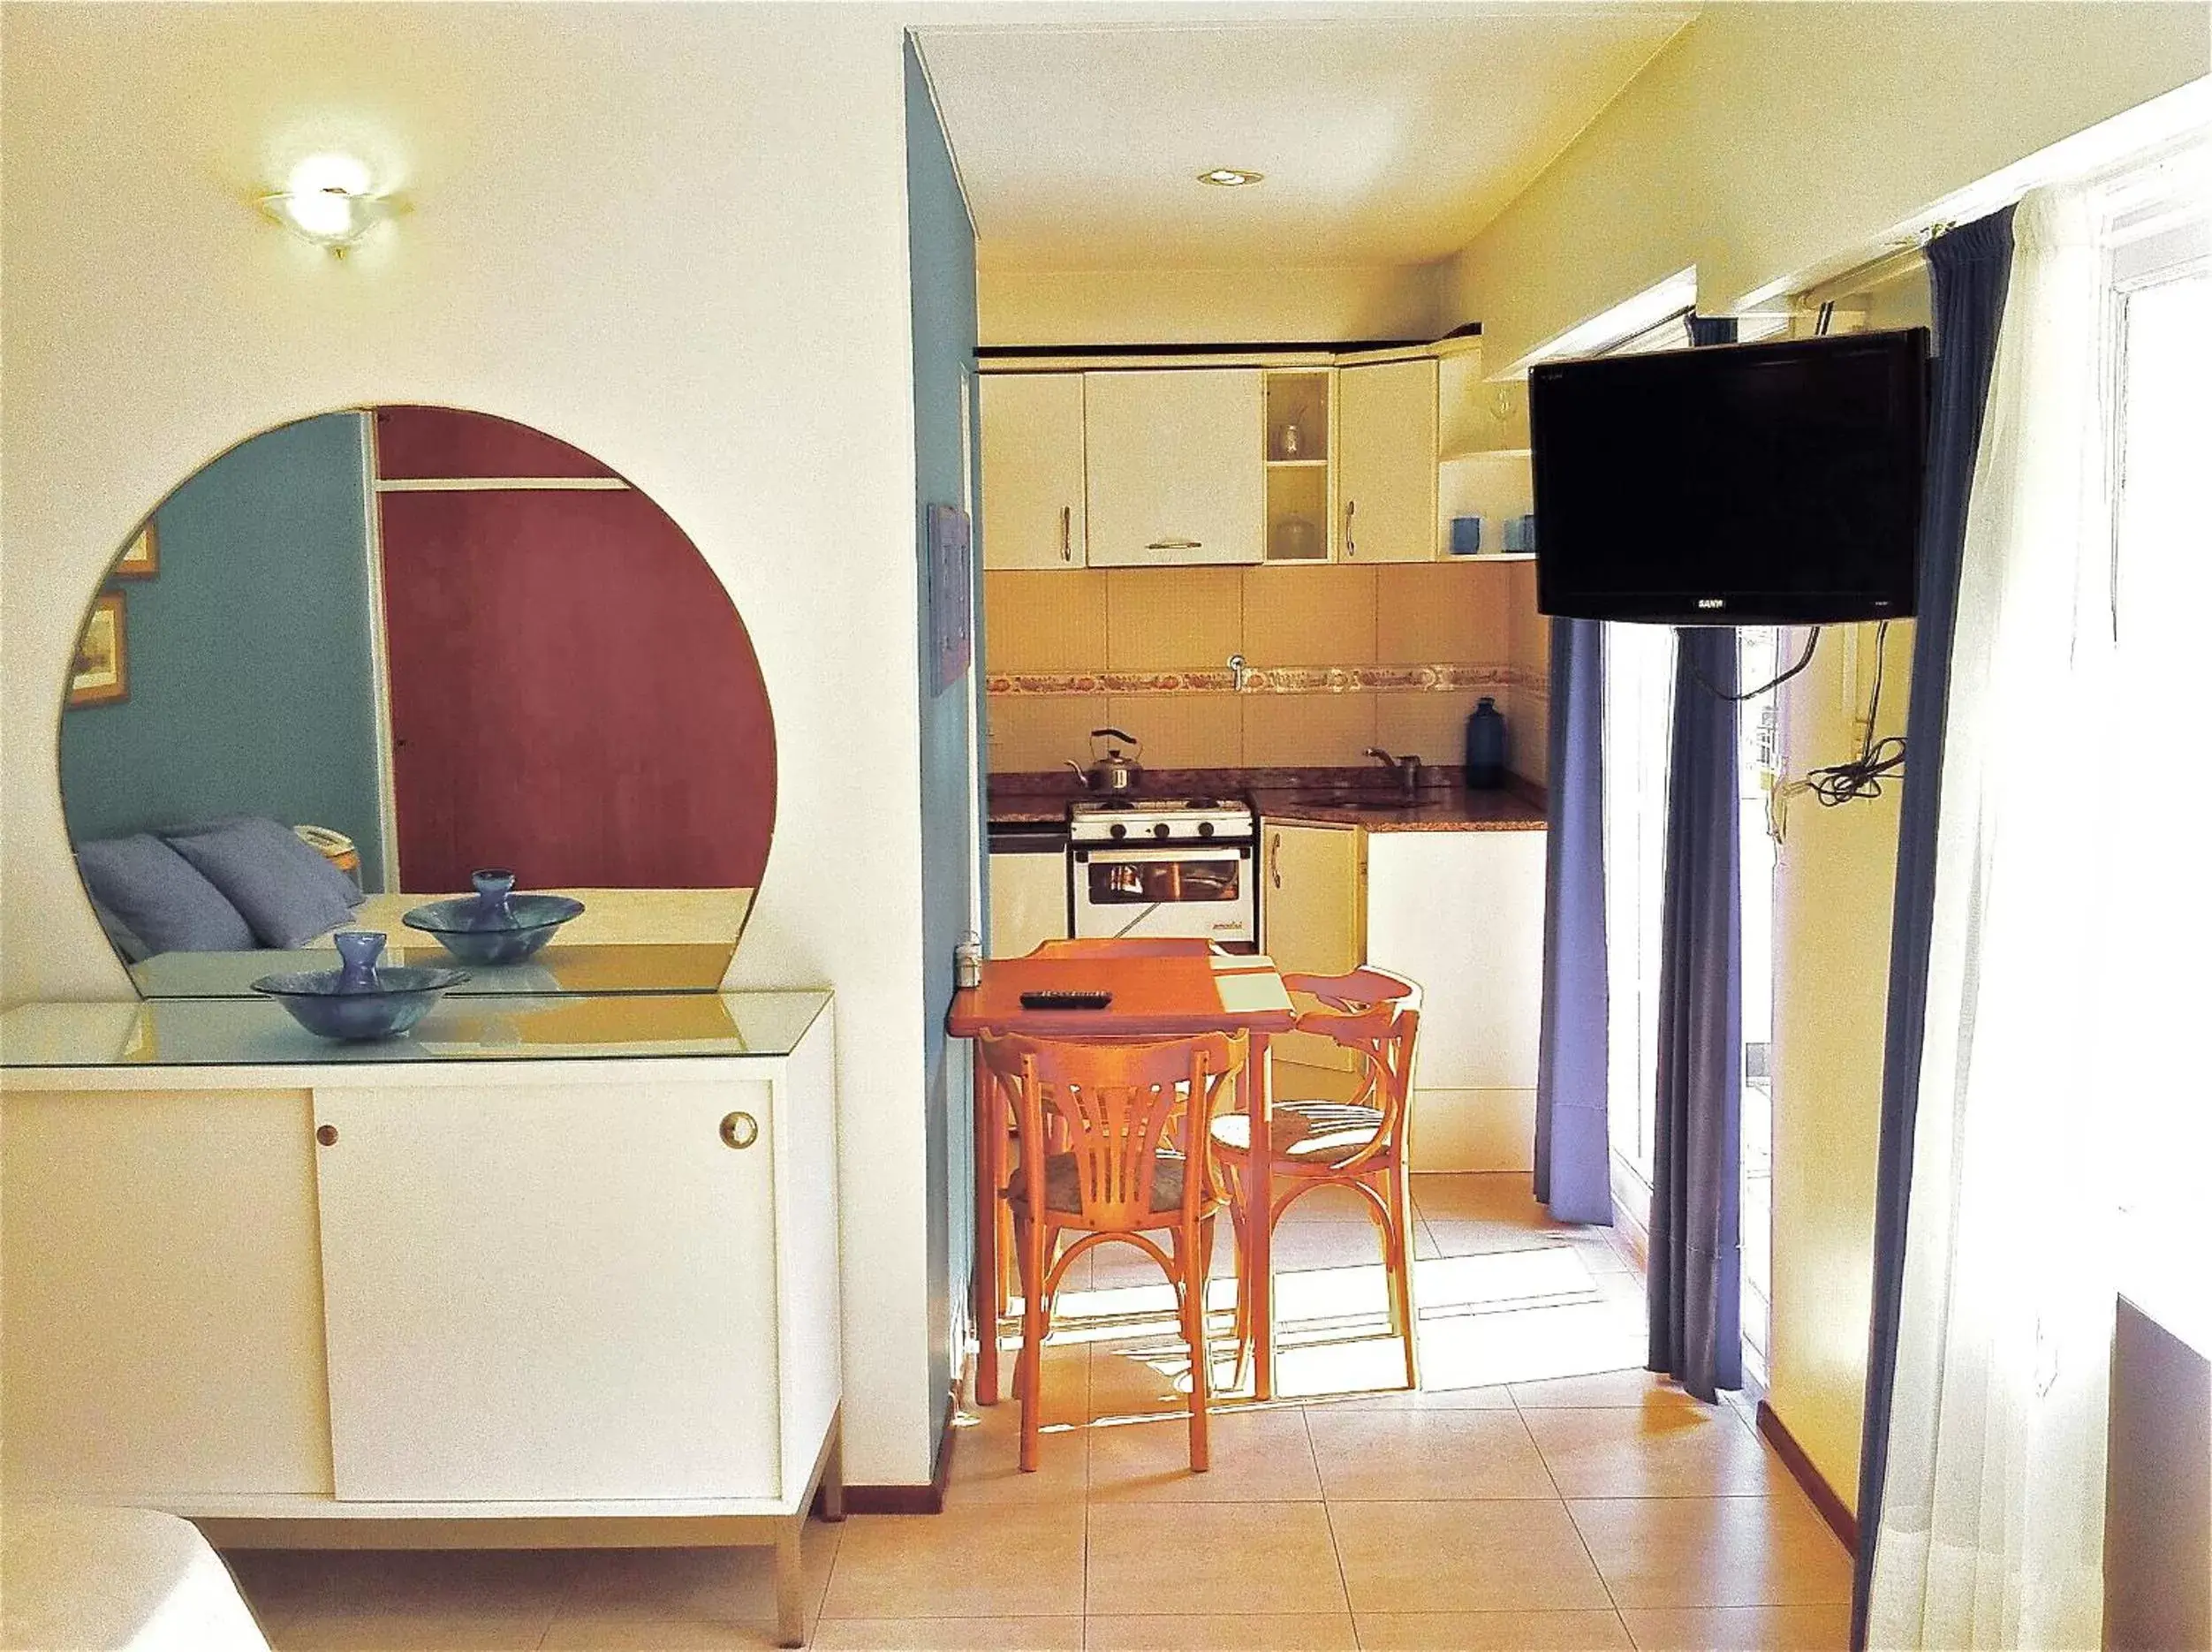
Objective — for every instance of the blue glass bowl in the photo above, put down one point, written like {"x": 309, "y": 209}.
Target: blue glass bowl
{"x": 495, "y": 925}
{"x": 360, "y": 1000}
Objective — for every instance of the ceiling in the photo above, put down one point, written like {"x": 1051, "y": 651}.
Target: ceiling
{"x": 1388, "y": 135}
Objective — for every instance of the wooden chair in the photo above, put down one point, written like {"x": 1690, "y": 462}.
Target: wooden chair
{"x": 1103, "y": 946}
{"x": 1362, "y": 1144}
{"x": 1113, "y": 1145}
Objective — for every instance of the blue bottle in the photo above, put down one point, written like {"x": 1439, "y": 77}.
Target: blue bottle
{"x": 1486, "y": 746}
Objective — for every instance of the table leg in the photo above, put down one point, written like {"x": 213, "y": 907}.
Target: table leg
{"x": 1259, "y": 1226}
{"x": 985, "y": 1280}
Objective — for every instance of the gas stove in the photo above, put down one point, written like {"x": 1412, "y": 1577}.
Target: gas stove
{"x": 1160, "y": 820}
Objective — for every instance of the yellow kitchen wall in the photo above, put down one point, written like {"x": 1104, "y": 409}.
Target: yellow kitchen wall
{"x": 631, "y": 227}
{"x": 1766, "y": 138}
{"x": 1766, "y": 142}
{"x": 1836, "y": 872}
{"x": 1057, "y": 624}
{"x": 1275, "y": 304}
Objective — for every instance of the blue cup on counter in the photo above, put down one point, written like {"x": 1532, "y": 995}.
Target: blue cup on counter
{"x": 1521, "y": 532}
{"x": 1467, "y": 535}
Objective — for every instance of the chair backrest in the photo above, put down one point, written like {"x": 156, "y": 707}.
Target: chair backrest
{"x": 1115, "y": 1106}
{"x": 1376, "y": 1015}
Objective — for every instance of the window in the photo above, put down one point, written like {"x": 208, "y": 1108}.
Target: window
{"x": 1639, "y": 702}
{"x": 2159, "y": 597}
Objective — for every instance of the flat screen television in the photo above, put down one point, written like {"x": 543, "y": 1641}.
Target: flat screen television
{"x": 1740, "y": 484}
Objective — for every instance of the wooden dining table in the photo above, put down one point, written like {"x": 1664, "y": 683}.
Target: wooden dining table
{"x": 1162, "y": 989}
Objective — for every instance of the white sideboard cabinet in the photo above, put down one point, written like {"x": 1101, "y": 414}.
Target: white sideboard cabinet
{"x": 550, "y": 1271}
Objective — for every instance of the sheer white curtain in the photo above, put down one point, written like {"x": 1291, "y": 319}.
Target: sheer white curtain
{"x": 1992, "y": 1522}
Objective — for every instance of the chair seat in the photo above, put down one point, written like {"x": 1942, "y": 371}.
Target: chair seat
{"x": 1063, "y": 1190}
{"x": 1306, "y": 1132}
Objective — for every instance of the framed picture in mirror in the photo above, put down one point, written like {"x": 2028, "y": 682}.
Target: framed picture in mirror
{"x": 142, "y": 558}
{"x": 101, "y": 674}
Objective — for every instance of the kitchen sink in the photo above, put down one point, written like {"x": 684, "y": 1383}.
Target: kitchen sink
{"x": 1366, "y": 801}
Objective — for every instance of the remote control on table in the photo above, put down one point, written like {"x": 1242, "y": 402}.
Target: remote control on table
{"x": 1060, "y": 999}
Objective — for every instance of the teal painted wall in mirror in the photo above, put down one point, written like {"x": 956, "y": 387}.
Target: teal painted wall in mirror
{"x": 268, "y": 549}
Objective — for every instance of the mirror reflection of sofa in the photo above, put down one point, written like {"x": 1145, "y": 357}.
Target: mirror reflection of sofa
{"x": 424, "y": 642}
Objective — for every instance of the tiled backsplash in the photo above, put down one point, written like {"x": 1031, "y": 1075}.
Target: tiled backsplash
{"x": 1081, "y": 642}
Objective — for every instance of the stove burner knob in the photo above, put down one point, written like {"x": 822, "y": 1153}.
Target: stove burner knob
{"x": 1161, "y": 831}
{"x": 1206, "y": 829}
{"x": 1117, "y": 829}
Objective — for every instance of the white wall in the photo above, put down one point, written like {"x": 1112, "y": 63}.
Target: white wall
{"x": 633, "y": 227}
{"x": 1767, "y": 137}
{"x": 1163, "y": 305}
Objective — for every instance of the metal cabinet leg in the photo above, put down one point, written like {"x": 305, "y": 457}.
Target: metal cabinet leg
{"x": 833, "y": 1477}
{"x": 791, "y": 1602}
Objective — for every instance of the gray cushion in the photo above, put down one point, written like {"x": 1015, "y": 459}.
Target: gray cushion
{"x": 1064, "y": 1191}
{"x": 160, "y": 897}
{"x": 287, "y": 892}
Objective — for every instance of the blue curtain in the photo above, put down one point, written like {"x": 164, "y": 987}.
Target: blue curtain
{"x": 1573, "y": 1151}
{"x": 1696, "y": 1271}
{"x": 1696, "y": 1252}
{"x": 1968, "y": 269}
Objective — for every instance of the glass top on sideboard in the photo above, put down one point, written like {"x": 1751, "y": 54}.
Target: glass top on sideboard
{"x": 255, "y": 1032}
{"x": 657, "y": 967}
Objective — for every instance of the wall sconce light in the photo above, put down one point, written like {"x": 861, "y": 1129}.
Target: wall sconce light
{"x": 329, "y": 201}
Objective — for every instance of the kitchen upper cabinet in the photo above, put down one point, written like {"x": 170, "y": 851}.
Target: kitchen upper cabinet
{"x": 1034, "y": 506}
{"x": 1386, "y": 461}
{"x": 1174, "y": 458}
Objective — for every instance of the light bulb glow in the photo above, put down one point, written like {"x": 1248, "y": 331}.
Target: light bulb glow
{"x": 328, "y": 200}
{"x": 1230, "y": 176}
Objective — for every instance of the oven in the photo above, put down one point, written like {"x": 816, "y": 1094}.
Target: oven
{"x": 1146, "y": 871}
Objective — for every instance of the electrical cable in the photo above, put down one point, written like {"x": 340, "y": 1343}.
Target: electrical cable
{"x": 1861, "y": 777}
{"x": 1804, "y": 660}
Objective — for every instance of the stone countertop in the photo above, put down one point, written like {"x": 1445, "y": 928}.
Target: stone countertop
{"x": 1319, "y": 796}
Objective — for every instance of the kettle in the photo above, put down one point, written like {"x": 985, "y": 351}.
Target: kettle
{"x": 1113, "y": 770}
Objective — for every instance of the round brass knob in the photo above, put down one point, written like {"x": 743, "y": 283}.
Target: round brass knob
{"x": 739, "y": 1130}
{"x": 327, "y": 1135}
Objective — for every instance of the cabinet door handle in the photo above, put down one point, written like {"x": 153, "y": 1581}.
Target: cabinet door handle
{"x": 1351, "y": 548}
{"x": 739, "y": 1130}
{"x": 327, "y": 1135}
{"x": 1274, "y": 860}
{"x": 1067, "y": 532}
{"x": 1177, "y": 544}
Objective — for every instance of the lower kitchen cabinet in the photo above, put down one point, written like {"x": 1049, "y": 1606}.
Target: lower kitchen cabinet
{"x": 1311, "y": 896}
{"x": 1463, "y": 914}
{"x": 1028, "y": 893}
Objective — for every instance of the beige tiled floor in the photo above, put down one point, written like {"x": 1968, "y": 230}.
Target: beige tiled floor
{"x": 1540, "y": 1492}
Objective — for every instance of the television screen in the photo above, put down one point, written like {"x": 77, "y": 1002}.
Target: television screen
{"x": 1741, "y": 484}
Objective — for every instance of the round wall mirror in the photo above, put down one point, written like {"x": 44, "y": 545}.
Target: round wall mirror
{"x": 358, "y": 659}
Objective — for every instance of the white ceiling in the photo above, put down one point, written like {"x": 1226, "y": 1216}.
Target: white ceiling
{"x": 1388, "y": 136}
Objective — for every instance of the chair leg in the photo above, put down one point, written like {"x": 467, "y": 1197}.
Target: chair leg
{"x": 1197, "y": 1252}
{"x": 1030, "y": 1244}
{"x": 1241, "y": 1326}
{"x": 1397, "y": 1261}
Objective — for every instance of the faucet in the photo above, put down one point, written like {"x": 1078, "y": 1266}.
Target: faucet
{"x": 1406, "y": 769}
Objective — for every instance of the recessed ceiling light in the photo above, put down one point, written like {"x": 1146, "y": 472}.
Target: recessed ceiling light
{"x": 1230, "y": 176}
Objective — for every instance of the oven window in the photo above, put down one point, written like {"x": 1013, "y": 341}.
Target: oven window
{"x": 1157, "y": 882}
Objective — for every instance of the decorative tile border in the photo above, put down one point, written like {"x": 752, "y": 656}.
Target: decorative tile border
{"x": 1278, "y": 679}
